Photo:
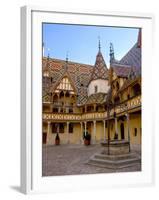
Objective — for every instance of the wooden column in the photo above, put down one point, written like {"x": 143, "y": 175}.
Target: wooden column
{"x": 116, "y": 128}
{"x": 94, "y": 131}
{"x": 64, "y": 105}
{"x": 81, "y": 136}
{"x": 85, "y": 127}
{"x": 94, "y": 107}
{"x": 59, "y": 108}
{"x": 128, "y": 128}
{"x": 68, "y": 135}
{"x": 48, "y": 132}
{"x": 85, "y": 108}
{"x": 104, "y": 130}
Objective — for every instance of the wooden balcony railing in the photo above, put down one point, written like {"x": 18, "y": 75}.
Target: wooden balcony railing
{"x": 123, "y": 107}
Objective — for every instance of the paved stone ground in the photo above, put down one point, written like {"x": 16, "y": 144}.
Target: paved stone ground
{"x": 72, "y": 159}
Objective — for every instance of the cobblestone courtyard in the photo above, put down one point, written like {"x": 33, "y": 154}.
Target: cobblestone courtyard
{"x": 72, "y": 160}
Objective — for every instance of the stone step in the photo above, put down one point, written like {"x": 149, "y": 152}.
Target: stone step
{"x": 115, "y": 157}
{"x": 114, "y": 164}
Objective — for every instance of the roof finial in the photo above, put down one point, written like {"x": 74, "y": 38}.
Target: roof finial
{"x": 111, "y": 54}
{"x": 43, "y": 48}
{"x": 67, "y": 56}
{"x": 99, "y": 45}
{"x": 139, "y": 39}
{"x": 48, "y": 56}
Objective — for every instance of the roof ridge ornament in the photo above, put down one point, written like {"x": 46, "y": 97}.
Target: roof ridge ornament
{"x": 66, "y": 62}
{"x": 48, "y": 56}
{"x": 67, "y": 57}
{"x": 43, "y": 47}
{"x": 111, "y": 54}
{"x": 99, "y": 44}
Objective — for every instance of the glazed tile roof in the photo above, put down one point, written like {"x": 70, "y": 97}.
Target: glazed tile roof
{"x": 80, "y": 75}
{"x": 130, "y": 63}
{"x": 100, "y": 70}
{"x": 121, "y": 71}
{"x": 133, "y": 57}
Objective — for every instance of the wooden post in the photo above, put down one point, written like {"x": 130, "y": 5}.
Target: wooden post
{"x": 94, "y": 132}
{"x": 104, "y": 130}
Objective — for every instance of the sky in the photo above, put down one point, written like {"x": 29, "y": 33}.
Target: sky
{"x": 81, "y": 42}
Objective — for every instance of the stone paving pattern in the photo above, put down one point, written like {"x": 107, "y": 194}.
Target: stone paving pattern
{"x": 72, "y": 160}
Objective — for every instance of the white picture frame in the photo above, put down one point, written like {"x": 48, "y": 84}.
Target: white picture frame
{"x": 31, "y": 101}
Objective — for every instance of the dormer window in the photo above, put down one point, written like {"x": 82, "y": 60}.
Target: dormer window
{"x": 95, "y": 89}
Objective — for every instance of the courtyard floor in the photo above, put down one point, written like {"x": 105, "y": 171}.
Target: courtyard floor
{"x": 72, "y": 160}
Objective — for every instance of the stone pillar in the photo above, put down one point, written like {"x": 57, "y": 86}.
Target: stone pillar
{"x": 94, "y": 132}
{"x": 48, "y": 140}
{"x": 81, "y": 136}
{"x": 68, "y": 135}
{"x": 104, "y": 130}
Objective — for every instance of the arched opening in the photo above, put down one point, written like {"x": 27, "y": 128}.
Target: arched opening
{"x": 122, "y": 131}
{"x": 61, "y": 94}
{"x": 44, "y": 137}
{"x": 55, "y": 98}
{"x": 67, "y": 94}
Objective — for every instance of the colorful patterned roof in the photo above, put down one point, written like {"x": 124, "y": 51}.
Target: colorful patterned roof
{"x": 80, "y": 75}
{"x": 121, "y": 71}
{"x": 133, "y": 57}
{"x": 100, "y": 70}
{"x": 130, "y": 63}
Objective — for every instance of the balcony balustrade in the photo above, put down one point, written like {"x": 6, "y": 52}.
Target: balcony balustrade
{"x": 123, "y": 107}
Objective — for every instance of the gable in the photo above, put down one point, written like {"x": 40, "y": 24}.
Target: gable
{"x": 65, "y": 84}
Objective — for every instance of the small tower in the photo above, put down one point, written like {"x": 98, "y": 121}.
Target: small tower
{"x": 99, "y": 77}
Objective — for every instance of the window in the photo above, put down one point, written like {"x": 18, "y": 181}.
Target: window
{"x": 70, "y": 128}
{"x": 95, "y": 89}
{"x": 61, "y": 128}
{"x": 55, "y": 110}
{"x": 54, "y": 127}
{"x": 70, "y": 110}
{"x": 135, "y": 132}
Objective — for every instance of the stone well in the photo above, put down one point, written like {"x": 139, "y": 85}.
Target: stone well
{"x": 116, "y": 147}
